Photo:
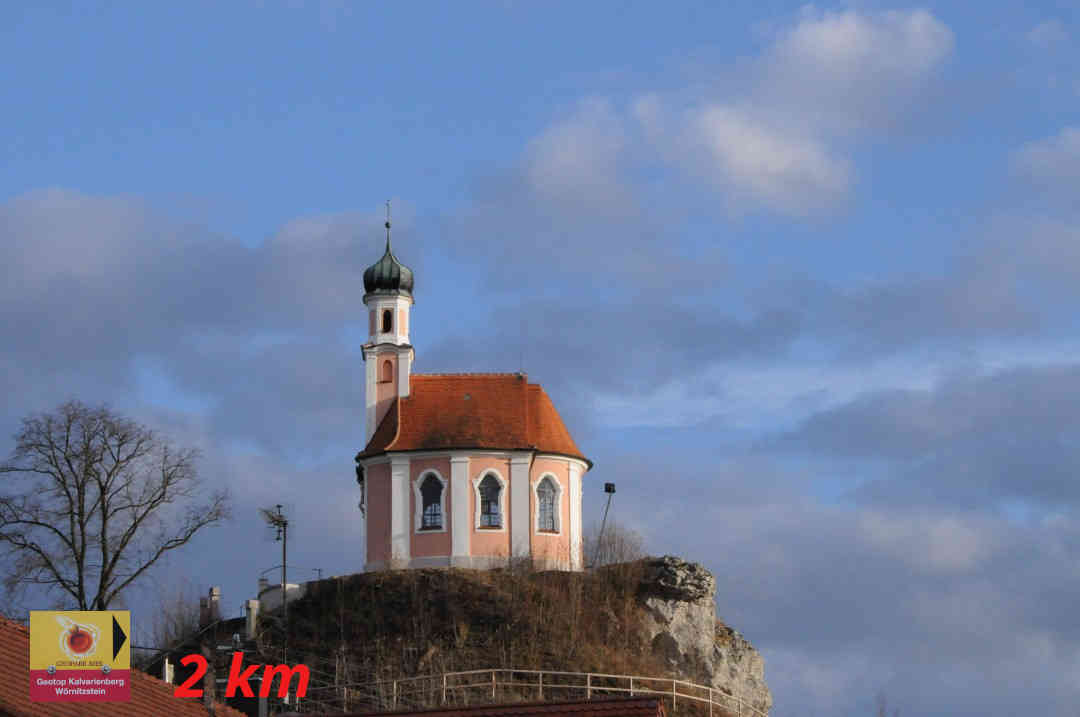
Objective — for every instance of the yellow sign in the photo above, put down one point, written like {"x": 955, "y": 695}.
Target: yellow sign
{"x": 78, "y": 655}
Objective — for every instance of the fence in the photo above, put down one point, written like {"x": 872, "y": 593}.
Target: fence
{"x": 511, "y": 685}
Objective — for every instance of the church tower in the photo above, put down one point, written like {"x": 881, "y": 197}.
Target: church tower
{"x": 388, "y": 286}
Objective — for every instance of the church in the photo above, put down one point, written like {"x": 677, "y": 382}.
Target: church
{"x": 459, "y": 470}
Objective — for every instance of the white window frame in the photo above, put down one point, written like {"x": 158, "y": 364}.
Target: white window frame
{"x": 418, "y": 500}
{"x": 558, "y": 504}
{"x": 503, "y": 490}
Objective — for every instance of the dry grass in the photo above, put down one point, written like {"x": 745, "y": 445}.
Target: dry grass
{"x": 402, "y": 623}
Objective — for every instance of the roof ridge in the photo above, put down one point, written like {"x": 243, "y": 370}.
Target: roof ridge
{"x": 468, "y": 373}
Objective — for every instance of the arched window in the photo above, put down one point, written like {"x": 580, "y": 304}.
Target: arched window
{"x": 387, "y": 371}
{"x": 490, "y": 514}
{"x": 546, "y": 507}
{"x": 431, "y": 496}
{"x": 387, "y": 321}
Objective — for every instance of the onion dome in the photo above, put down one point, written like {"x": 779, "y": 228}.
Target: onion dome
{"x": 388, "y": 275}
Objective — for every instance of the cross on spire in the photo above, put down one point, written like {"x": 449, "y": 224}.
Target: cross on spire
{"x": 388, "y": 225}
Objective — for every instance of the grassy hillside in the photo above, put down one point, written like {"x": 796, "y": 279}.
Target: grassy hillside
{"x": 396, "y": 624}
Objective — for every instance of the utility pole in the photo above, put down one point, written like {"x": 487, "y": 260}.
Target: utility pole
{"x": 276, "y": 519}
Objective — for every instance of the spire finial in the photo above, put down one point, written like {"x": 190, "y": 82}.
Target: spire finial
{"x": 388, "y": 225}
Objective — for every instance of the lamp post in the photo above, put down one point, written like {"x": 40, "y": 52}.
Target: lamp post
{"x": 609, "y": 488}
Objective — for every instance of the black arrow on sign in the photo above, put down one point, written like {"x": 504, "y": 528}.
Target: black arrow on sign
{"x": 118, "y": 638}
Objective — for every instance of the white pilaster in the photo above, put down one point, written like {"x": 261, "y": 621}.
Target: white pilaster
{"x": 460, "y": 525}
{"x": 575, "y": 516}
{"x": 399, "y": 509}
{"x": 369, "y": 397}
{"x": 404, "y": 371}
{"x": 519, "y": 504}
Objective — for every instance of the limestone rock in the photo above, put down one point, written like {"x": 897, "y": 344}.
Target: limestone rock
{"x": 682, "y": 628}
{"x": 673, "y": 578}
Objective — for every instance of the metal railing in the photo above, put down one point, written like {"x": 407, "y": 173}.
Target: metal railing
{"x": 490, "y": 686}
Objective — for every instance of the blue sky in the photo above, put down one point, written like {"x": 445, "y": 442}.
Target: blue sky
{"x": 799, "y": 278}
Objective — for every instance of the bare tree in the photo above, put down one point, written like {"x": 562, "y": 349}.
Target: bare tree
{"x": 175, "y": 616}
{"x": 90, "y": 500}
{"x": 618, "y": 544}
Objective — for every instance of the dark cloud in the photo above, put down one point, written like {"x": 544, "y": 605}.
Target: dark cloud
{"x": 97, "y": 288}
{"x": 577, "y": 349}
{"x": 980, "y": 441}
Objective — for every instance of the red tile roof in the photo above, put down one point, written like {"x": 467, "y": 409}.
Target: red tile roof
{"x": 607, "y": 707}
{"x": 500, "y": 411}
{"x": 150, "y": 697}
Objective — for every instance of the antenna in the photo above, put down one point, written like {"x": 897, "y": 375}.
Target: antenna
{"x": 276, "y": 519}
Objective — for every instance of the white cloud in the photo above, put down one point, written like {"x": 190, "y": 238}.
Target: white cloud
{"x": 579, "y": 160}
{"x": 1048, "y": 35}
{"x": 782, "y": 169}
{"x": 1053, "y": 160}
{"x": 849, "y": 44}
{"x": 824, "y": 82}
{"x": 853, "y": 71}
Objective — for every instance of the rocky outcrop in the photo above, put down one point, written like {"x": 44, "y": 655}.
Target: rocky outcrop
{"x": 681, "y": 626}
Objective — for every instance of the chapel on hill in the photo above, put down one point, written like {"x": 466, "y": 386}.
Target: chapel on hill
{"x": 461, "y": 470}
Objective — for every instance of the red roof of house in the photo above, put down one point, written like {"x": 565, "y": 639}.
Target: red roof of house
{"x": 150, "y": 697}
{"x": 501, "y": 411}
{"x": 607, "y": 707}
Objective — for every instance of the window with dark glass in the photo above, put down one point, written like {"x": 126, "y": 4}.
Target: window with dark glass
{"x": 431, "y": 495}
{"x": 490, "y": 516}
{"x": 387, "y": 321}
{"x": 546, "y": 495}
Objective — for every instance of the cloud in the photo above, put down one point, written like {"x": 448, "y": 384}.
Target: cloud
{"x": 777, "y": 167}
{"x": 851, "y": 70}
{"x": 1048, "y": 35}
{"x": 846, "y": 602}
{"x": 102, "y": 297}
{"x": 784, "y": 141}
{"x": 780, "y": 140}
{"x": 1052, "y": 162}
{"x": 981, "y": 442}
{"x": 579, "y": 160}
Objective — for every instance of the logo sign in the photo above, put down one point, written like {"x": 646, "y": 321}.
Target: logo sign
{"x": 80, "y": 656}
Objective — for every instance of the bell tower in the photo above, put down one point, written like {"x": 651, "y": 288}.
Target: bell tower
{"x": 388, "y": 286}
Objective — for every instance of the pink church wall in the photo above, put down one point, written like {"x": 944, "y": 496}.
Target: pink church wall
{"x": 548, "y": 545}
{"x": 488, "y": 541}
{"x": 371, "y": 322}
{"x": 377, "y": 479}
{"x": 385, "y": 391}
{"x": 425, "y": 544}
{"x": 403, "y": 321}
